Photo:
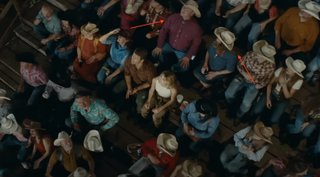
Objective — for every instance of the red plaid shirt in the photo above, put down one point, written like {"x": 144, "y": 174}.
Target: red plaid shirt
{"x": 261, "y": 73}
{"x": 35, "y": 76}
{"x": 72, "y": 33}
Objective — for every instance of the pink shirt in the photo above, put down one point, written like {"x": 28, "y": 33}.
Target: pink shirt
{"x": 18, "y": 135}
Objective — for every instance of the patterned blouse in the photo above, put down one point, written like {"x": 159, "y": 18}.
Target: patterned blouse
{"x": 72, "y": 33}
{"x": 5, "y": 109}
{"x": 34, "y": 76}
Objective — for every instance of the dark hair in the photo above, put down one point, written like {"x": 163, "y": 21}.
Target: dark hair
{"x": 296, "y": 165}
{"x": 82, "y": 94}
{"x": 141, "y": 52}
{"x": 27, "y": 57}
{"x": 126, "y": 34}
{"x": 67, "y": 16}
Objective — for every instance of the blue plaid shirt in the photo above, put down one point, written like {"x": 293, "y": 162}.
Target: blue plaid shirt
{"x": 97, "y": 113}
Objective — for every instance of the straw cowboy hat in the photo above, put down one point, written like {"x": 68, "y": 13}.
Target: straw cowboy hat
{"x": 89, "y": 28}
{"x": 225, "y": 36}
{"x": 263, "y": 132}
{"x": 80, "y": 172}
{"x": 9, "y": 124}
{"x": 92, "y": 141}
{"x": 296, "y": 65}
{"x": 61, "y": 136}
{"x": 193, "y": 5}
{"x": 192, "y": 168}
{"x": 311, "y": 7}
{"x": 267, "y": 51}
{"x": 3, "y": 94}
{"x": 168, "y": 143}
{"x": 35, "y": 125}
{"x": 264, "y": 4}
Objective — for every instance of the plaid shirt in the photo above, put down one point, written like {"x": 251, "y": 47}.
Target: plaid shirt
{"x": 71, "y": 33}
{"x": 35, "y": 76}
{"x": 261, "y": 73}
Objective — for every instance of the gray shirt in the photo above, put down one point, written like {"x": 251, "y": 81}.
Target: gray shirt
{"x": 5, "y": 109}
{"x": 53, "y": 25}
{"x": 64, "y": 94}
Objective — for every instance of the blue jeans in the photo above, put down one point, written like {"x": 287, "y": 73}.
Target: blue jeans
{"x": 166, "y": 49}
{"x": 11, "y": 142}
{"x": 317, "y": 147}
{"x": 101, "y": 77}
{"x": 30, "y": 93}
{"x": 202, "y": 77}
{"x": 313, "y": 66}
{"x": 43, "y": 33}
{"x": 244, "y": 22}
{"x": 194, "y": 146}
{"x": 144, "y": 163}
{"x": 236, "y": 85}
{"x": 233, "y": 165}
{"x": 69, "y": 55}
{"x": 98, "y": 3}
{"x": 296, "y": 127}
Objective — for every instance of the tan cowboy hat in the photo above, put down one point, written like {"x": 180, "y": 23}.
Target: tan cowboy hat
{"x": 311, "y": 7}
{"x": 264, "y": 4}
{"x": 192, "y": 168}
{"x": 9, "y": 124}
{"x": 225, "y": 36}
{"x": 61, "y": 136}
{"x": 193, "y": 5}
{"x": 80, "y": 172}
{"x": 263, "y": 132}
{"x": 92, "y": 141}
{"x": 168, "y": 143}
{"x": 89, "y": 28}
{"x": 35, "y": 125}
{"x": 267, "y": 51}
{"x": 3, "y": 94}
{"x": 296, "y": 65}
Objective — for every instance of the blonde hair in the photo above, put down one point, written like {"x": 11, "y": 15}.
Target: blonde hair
{"x": 170, "y": 78}
{"x": 292, "y": 80}
{"x": 222, "y": 48}
{"x": 257, "y": 144}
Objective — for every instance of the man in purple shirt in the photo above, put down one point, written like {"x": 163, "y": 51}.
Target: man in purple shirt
{"x": 184, "y": 37}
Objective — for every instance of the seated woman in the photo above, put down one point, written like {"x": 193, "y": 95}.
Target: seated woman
{"x": 220, "y": 60}
{"x": 112, "y": 71}
{"x": 189, "y": 168}
{"x": 129, "y": 14}
{"x": 251, "y": 142}
{"x": 162, "y": 95}
{"x": 284, "y": 84}
{"x": 90, "y": 52}
{"x": 67, "y": 49}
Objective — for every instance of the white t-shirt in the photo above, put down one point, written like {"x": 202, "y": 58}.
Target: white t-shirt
{"x": 295, "y": 86}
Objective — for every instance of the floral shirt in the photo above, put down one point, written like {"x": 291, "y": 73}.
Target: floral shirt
{"x": 73, "y": 35}
{"x": 34, "y": 76}
{"x": 5, "y": 109}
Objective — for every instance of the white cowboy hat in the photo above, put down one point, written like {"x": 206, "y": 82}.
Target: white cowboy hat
{"x": 92, "y": 141}
{"x": 264, "y": 4}
{"x": 267, "y": 51}
{"x": 225, "y": 36}
{"x": 61, "y": 136}
{"x": 80, "y": 172}
{"x": 89, "y": 28}
{"x": 9, "y": 124}
{"x": 168, "y": 143}
{"x": 193, "y": 5}
{"x": 311, "y": 7}
{"x": 265, "y": 133}
{"x": 192, "y": 168}
{"x": 3, "y": 94}
{"x": 296, "y": 65}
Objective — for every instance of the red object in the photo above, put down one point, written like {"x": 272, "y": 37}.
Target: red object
{"x": 239, "y": 57}
{"x": 26, "y": 123}
{"x": 41, "y": 147}
{"x": 161, "y": 21}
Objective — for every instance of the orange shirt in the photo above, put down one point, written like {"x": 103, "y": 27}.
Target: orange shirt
{"x": 88, "y": 48}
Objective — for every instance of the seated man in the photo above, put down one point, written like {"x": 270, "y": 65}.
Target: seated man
{"x": 296, "y": 31}
{"x": 160, "y": 153}
{"x": 104, "y": 7}
{"x": 5, "y": 105}
{"x": 95, "y": 112}
{"x": 47, "y": 25}
{"x": 184, "y": 37}
{"x": 68, "y": 154}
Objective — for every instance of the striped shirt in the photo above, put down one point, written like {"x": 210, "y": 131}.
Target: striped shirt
{"x": 35, "y": 76}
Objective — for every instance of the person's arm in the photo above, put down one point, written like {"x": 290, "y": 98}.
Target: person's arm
{"x": 240, "y": 135}
{"x": 133, "y": 7}
{"x": 186, "y": 111}
{"x": 87, "y": 156}
{"x": 218, "y": 4}
{"x": 21, "y": 82}
{"x": 121, "y": 68}
{"x": 111, "y": 116}
{"x": 152, "y": 89}
{"x": 195, "y": 44}
{"x": 262, "y": 169}
{"x": 223, "y": 72}
{"x": 34, "y": 150}
{"x": 171, "y": 165}
{"x": 52, "y": 37}
{"x": 175, "y": 172}
{"x": 46, "y": 144}
{"x": 145, "y": 147}
{"x": 238, "y": 8}
{"x": 212, "y": 127}
{"x": 269, "y": 88}
{"x": 109, "y": 4}
{"x": 143, "y": 86}
{"x": 164, "y": 31}
{"x": 74, "y": 44}
{"x": 248, "y": 9}
{"x": 74, "y": 112}
{"x": 257, "y": 156}
{"x": 104, "y": 39}
{"x": 206, "y": 60}
{"x": 53, "y": 160}
{"x": 128, "y": 82}
{"x": 269, "y": 20}
{"x": 79, "y": 53}
{"x": 288, "y": 94}
{"x": 174, "y": 93}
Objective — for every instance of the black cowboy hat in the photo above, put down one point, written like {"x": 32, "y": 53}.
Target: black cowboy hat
{"x": 207, "y": 106}
{"x": 61, "y": 79}
{"x": 27, "y": 57}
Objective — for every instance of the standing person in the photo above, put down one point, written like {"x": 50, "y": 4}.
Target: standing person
{"x": 130, "y": 14}
{"x": 5, "y": 105}
{"x": 90, "y": 53}
{"x": 184, "y": 37}
{"x": 284, "y": 84}
{"x": 189, "y": 168}
{"x": 104, "y": 7}
{"x": 251, "y": 142}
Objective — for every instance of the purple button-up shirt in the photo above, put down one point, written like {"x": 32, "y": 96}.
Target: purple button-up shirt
{"x": 183, "y": 34}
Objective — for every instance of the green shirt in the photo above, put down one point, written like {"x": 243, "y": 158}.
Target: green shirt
{"x": 53, "y": 25}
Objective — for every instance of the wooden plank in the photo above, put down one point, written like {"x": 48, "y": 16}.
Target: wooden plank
{"x": 75, "y": 3}
{"x": 8, "y": 57}
{"x": 314, "y": 89}
{"x": 62, "y": 4}
{"x": 5, "y": 78}
{"x": 5, "y": 87}
{"x": 302, "y": 94}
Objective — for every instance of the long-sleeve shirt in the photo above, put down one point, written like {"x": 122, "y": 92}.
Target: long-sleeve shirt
{"x": 145, "y": 74}
{"x": 296, "y": 33}
{"x": 166, "y": 161}
{"x": 53, "y": 25}
{"x": 239, "y": 139}
{"x": 204, "y": 129}
{"x": 97, "y": 113}
{"x": 183, "y": 34}
{"x": 35, "y": 76}
{"x": 72, "y": 34}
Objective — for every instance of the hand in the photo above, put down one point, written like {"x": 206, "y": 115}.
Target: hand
{"x": 249, "y": 151}
{"x": 36, "y": 164}
{"x": 246, "y": 77}
{"x": 217, "y": 11}
{"x": 278, "y": 44}
{"x": 259, "y": 172}
{"x": 88, "y": 1}
{"x": 143, "y": 12}
{"x": 62, "y": 49}
{"x": 185, "y": 62}
{"x": 129, "y": 92}
{"x": 76, "y": 126}
{"x": 100, "y": 11}
{"x": 153, "y": 159}
{"x": 258, "y": 86}
{"x": 192, "y": 132}
{"x": 157, "y": 51}
{"x": 115, "y": 31}
{"x": 211, "y": 75}
{"x": 20, "y": 89}
{"x": 244, "y": 147}
{"x": 44, "y": 41}
{"x": 147, "y": 105}
{"x": 102, "y": 128}
{"x": 148, "y": 36}
{"x": 186, "y": 128}
{"x": 269, "y": 104}
{"x": 57, "y": 37}
{"x": 135, "y": 90}
{"x": 204, "y": 69}
{"x": 156, "y": 110}
{"x": 79, "y": 59}
{"x": 246, "y": 12}
{"x": 91, "y": 59}
{"x": 227, "y": 14}
{"x": 287, "y": 52}
{"x": 37, "y": 21}
{"x": 263, "y": 26}
{"x": 282, "y": 81}
{"x": 108, "y": 80}
{"x": 303, "y": 126}
{"x": 92, "y": 174}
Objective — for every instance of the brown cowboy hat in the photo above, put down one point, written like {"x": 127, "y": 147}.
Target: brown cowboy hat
{"x": 265, "y": 133}
{"x": 35, "y": 125}
{"x": 89, "y": 28}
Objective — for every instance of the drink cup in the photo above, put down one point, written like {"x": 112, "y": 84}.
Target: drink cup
{"x": 179, "y": 98}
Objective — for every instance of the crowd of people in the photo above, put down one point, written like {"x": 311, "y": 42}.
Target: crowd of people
{"x": 125, "y": 66}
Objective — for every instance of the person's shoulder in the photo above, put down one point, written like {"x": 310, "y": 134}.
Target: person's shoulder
{"x": 293, "y": 10}
{"x": 128, "y": 60}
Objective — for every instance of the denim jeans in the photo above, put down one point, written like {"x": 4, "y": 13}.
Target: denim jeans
{"x": 317, "y": 146}
{"x": 30, "y": 93}
{"x": 233, "y": 165}
{"x": 142, "y": 164}
{"x": 276, "y": 110}
{"x": 101, "y": 77}
{"x": 202, "y": 77}
{"x": 296, "y": 127}
{"x": 83, "y": 122}
{"x": 194, "y": 146}
{"x": 11, "y": 142}
{"x": 236, "y": 85}
{"x": 69, "y": 55}
{"x": 313, "y": 66}
{"x": 98, "y": 3}
{"x": 166, "y": 49}
{"x": 244, "y": 22}
{"x": 43, "y": 33}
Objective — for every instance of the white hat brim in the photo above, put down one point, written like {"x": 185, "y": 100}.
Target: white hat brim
{"x": 92, "y": 133}
{"x": 160, "y": 142}
{"x": 218, "y": 32}
{"x": 289, "y": 62}
{"x": 14, "y": 127}
{"x": 302, "y": 6}
{"x": 6, "y": 98}
{"x": 257, "y": 49}
{"x": 196, "y": 11}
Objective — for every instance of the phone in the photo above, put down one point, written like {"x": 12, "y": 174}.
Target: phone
{"x": 192, "y": 58}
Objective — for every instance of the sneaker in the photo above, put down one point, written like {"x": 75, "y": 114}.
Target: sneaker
{"x": 24, "y": 165}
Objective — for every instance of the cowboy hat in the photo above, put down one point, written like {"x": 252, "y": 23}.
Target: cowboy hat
{"x": 264, "y": 49}
{"x": 3, "y": 94}
{"x": 61, "y": 136}
{"x": 168, "y": 143}
{"x": 27, "y": 57}
{"x": 192, "y": 168}
{"x": 264, "y": 4}
{"x": 263, "y": 132}
{"x": 225, "y": 36}
{"x": 80, "y": 172}
{"x": 61, "y": 79}
{"x": 9, "y": 124}
{"x": 35, "y": 125}
{"x": 206, "y": 106}
{"x": 89, "y": 28}
{"x": 193, "y": 5}
{"x": 92, "y": 141}
{"x": 296, "y": 65}
{"x": 311, "y": 7}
